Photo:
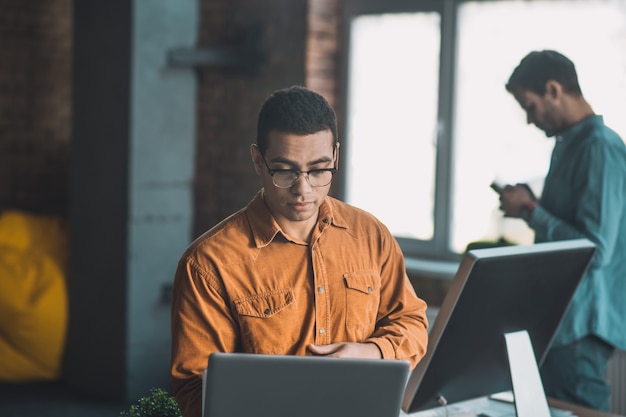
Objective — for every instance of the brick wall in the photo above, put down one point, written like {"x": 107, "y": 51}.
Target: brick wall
{"x": 229, "y": 97}
{"x": 35, "y": 104}
{"x": 322, "y": 57}
{"x": 323, "y": 64}
{"x": 35, "y": 91}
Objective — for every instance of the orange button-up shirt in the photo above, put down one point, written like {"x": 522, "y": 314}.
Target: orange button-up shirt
{"x": 244, "y": 286}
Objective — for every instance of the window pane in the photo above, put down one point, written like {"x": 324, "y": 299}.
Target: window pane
{"x": 391, "y": 126}
{"x": 491, "y": 138}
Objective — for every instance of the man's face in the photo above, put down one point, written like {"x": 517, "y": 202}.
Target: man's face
{"x": 300, "y": 202}
{"x": 542, "y": 111}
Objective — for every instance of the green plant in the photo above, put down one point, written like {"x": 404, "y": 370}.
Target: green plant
{"x": 158, "y": 404}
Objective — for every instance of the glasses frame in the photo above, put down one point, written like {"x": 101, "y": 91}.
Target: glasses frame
{"x": 297, "y": 173}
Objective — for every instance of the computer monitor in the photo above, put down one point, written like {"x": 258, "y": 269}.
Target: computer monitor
{"x": 495, "y": 291}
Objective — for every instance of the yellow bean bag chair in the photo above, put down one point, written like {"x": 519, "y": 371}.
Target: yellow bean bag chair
{"x": 33, "y": 296}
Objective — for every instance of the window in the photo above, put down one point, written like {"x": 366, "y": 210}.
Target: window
{"x": 430, "y": 125}
{"x": 375, "y": 163}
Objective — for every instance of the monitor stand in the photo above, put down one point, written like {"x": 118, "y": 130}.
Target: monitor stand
{"x": 530, "y": 398}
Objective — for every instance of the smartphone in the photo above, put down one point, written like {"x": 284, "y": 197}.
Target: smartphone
{"x": 497, "y": 187}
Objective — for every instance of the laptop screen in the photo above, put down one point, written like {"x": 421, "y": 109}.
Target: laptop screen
{"x": 241, "y": 384}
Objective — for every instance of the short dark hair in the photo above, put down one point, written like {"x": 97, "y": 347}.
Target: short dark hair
{"x": 539, "y": 67}
{"x": 296, "y": 110}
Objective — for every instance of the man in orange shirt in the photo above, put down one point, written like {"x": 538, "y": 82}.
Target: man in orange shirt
{"x": 295, "y": 272}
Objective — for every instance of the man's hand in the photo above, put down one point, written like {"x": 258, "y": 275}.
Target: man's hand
{"x": 515, "y": 199}
{"x": 347, "y": 350}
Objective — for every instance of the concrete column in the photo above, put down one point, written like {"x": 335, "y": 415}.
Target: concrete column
{"x": 163, "y": 109}
{"x": 131, "y": 190}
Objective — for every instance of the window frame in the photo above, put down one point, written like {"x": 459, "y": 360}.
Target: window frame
{"x": 438, "y": 247}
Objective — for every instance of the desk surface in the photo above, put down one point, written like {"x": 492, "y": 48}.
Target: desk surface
{"x": 496, "y": 408}
{"x": 579, "y": 410}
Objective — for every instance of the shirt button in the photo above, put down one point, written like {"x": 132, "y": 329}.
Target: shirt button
{"x": 322, "y": 330}
{"x": 369, "y": 289}
{"x": 267, "y": 311}
{"x": 320, "y": 289}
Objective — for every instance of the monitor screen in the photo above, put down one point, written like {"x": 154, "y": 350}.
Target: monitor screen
{"x": 495, "y": 291}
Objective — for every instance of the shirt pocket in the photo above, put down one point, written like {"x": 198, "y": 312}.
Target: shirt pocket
{"x": 362, "y": 301}
{"x": 264, "y": 305}
{"x": 268, "y": 321}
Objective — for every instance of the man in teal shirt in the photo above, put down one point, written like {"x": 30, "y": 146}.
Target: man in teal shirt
{"x": 584, "y": 195}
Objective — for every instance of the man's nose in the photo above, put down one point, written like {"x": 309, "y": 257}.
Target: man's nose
{"x": 301, "y": 185}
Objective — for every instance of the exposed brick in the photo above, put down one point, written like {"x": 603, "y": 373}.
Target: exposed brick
{"x": 229, "y": 98}
{"x": 298, "y": 43}
{"x": 35, "y": 104}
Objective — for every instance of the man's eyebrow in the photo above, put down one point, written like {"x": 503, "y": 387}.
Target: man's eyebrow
{"x": 281, "y": 160}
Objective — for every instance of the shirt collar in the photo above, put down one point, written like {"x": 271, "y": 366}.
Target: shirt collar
{"x": 330, "y": 215}
{"x": 262, "y": 223}
{"x": 265, "y": 228}
{"x": 594, "y": 119}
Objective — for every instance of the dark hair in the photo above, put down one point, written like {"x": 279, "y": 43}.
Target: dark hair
{"x": 539, "y": 67}
{"x": 296, "y": 110}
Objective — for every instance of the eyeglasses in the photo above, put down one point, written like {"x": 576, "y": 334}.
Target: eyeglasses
{"x": 285, "y": 178}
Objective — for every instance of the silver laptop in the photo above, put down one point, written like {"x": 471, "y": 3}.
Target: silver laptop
{"x": 255, "y": 385}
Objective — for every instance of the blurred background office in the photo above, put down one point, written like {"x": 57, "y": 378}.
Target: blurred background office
{"x": 125, "y": 128}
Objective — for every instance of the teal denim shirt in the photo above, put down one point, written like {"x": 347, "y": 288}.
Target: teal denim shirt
{"x": 584, "y": 195}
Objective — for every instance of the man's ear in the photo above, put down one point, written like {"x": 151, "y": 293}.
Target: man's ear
{"x": 553, "y": 89}
{"x": 255, "y": 153}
